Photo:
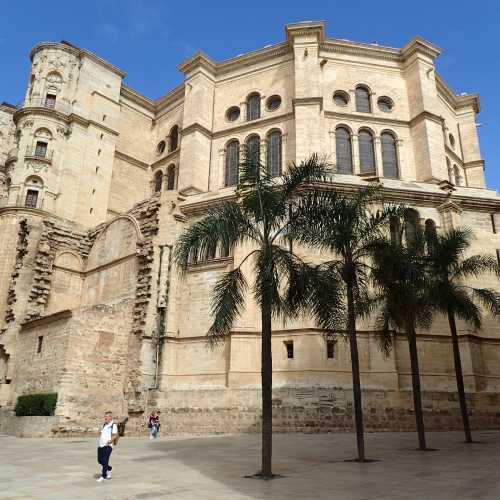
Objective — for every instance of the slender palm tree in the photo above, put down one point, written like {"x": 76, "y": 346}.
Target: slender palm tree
{"x": 347, "y": 226}
{"x": 452, "y": 271}
{"x": 259, "y": 218}
{"x": 401, "y": 277}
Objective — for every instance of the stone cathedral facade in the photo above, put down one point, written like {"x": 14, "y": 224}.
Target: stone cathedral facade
{"x": 97, "y": 181}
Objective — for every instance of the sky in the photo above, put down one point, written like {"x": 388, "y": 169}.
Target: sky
{"x": 149, "y": 38}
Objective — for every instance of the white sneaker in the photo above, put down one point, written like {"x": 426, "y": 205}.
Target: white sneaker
{"x": 108, "y": 475}
{"x": 101, "y": 479}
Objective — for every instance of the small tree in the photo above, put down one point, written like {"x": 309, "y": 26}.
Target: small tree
{"x": 451, "y": 295}
{"x": 261, "y": 216}
{"x": 347, "y": 226}
{"x": 401, "y": 276}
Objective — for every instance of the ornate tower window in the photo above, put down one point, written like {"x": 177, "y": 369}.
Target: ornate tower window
{"x": 174, "y": 138}
{"x": 31, "y": 198}
{"x": 171, "y": 178}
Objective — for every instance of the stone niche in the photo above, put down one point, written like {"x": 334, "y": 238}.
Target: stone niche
{"x": 111, "y": 271}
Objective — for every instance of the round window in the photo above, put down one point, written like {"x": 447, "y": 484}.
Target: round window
{"x": 274, "y": 102}
{"x": 161, "y": 147}
{"x": 452, "y": 140}
{"x": 233, "y": 114}
{"x": 385, "y": 104}
{"x": 341, "y": 98}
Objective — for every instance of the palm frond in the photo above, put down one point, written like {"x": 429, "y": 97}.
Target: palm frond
{"x": 227, "y": 302}
{"x": 224, "y": 226}
{"x": 489, "y": 298}
{"x": 475, "y": 266}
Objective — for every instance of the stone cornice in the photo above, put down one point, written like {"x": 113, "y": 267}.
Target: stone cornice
{"x": 8, "y": 108}
{"x": 426, "y": 115}
{"x": 196, "y": 127}
{"x": 253, "y": 124}
{"x": 173, "y": 155}
{"x": 137, "y": 98}
{"x": 130, "y": 159}
{"x": 389, "y": 195}
{"x": 46, "y": 320}
{"x": 474, "y": 164}
{"x": 80, "y": 53}
{"x": 361, "y": 49}
{"x": 362, "y": 117}
{"x": 172, "y": 98}
{"x": 306, "y": 28}
{"x": 419, "y": 45}
{"x": 460, "y": 101}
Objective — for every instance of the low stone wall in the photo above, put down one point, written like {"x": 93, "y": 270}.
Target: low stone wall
{"x": 309, "y": 410}
{"x": 27, "y": 426}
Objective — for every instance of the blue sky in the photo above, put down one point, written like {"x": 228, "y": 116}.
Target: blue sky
{"x": 148, "y": 38}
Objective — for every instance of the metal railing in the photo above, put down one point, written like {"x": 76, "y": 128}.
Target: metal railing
{"x": 47, "y": 103}
{"x": 39, "y": 153}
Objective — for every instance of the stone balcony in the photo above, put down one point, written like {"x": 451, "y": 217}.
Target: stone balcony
{"x": 40, "y": 154}
{"x": 44, "y": 104}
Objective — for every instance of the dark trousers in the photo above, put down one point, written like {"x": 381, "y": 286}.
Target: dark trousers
{"x": 103, "y": 455}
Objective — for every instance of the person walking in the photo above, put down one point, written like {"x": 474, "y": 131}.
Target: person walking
{"x": 154, "y": 424}
{"x": 107, "y": 439}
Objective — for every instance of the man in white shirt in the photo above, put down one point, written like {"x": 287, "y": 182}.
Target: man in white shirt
{"x": 107, "y": 439}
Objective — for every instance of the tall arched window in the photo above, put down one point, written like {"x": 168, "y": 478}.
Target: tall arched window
{"x": 158, "y": 181}
{"x": 174, "y": 138}
{"x": 343, "y": 148}
{"x": 253, "y": 149}
{"x": 274, "y": 153}
{"x": 411, "y": 220}
{"x": 171, "y": 178}
{"x": 363, "y": 104}
{"x": 253, "y": 106}
{"x": 389, "y": 156}
{"x": 450, "y": 170}
{"x": 395, "y": 229}
{"x": 366, "y": 152}
{"x": 458, "y": 177}
{"x": 430, "y": 233}
{"x": 232, "y": 163}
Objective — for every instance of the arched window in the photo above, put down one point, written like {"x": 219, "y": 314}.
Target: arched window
{"x": 343, "y": 148}
{"x": 450, "y": 170}
{"x": 458, "y": 177}
{"x": 160, "y": 148}
{"x": 174, "y": 138}
{"x": 430, "y": 233}
{"x": 253, "y": 106}
{"x": 395, "y": 229}
{"x": 34, "y": 188}
{"x": 389, "y": 156}
{"x": 253, "y": 149}
{"x": 232, "y": 163}
{"x": 411, "y": 219}
{"x": 158, "y": 181}
{"x": 363, "y": 104}
{"x": 274, "y": 153}
{"x": 171, "y": 178}
{"x": 366, "y": 152}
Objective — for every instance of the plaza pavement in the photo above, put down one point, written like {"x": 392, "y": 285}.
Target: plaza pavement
{"x": 313, "y": 467}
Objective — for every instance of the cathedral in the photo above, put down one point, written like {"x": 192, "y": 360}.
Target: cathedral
{"x": 97, "y": 181}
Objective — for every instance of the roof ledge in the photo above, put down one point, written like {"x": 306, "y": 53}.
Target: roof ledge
{"x": 421, "y": 46}
{"x": 316, "y": 28}
{"x": 200, "y": 59}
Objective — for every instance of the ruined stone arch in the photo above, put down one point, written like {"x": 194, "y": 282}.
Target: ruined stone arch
{"x": 69, "y": 260}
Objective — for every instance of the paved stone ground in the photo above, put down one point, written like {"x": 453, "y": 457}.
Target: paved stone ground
{"x": 313, "y": 467}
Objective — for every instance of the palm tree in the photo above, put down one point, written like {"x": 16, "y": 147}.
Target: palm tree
{"x": 454, "y": 298}
{"x": 401, "y": 277}
{"x": 261, "y": 218}
{"x": 347, "y": 226}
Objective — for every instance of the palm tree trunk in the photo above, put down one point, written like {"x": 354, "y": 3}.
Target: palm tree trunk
{"x": 459, "y": 376}
{"x": 356, "y": 382}
{"x": 417, "y": 395}
{"x": 267, "y": 388}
